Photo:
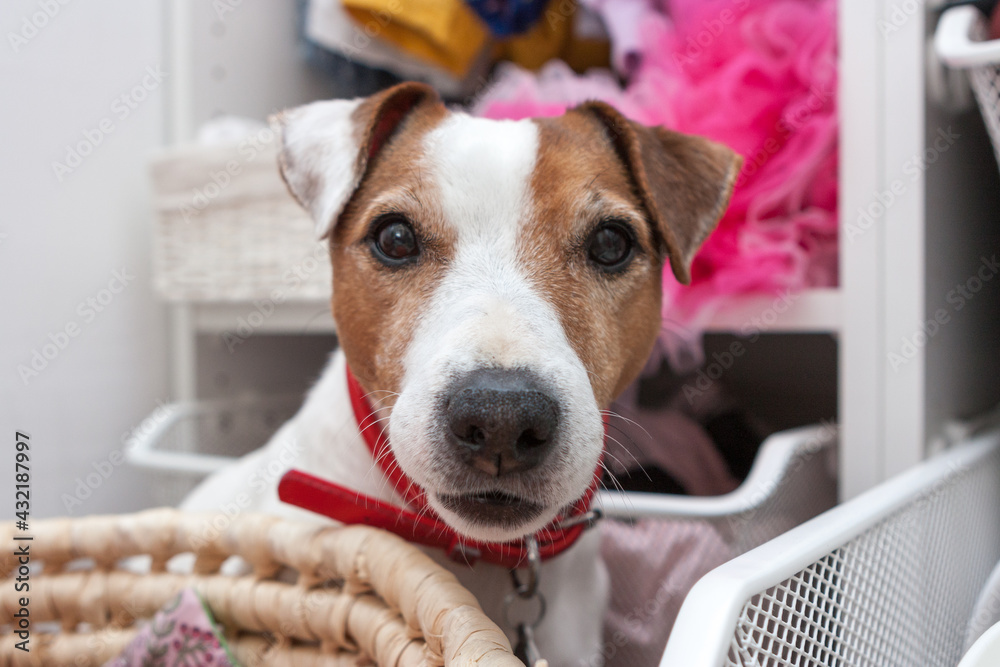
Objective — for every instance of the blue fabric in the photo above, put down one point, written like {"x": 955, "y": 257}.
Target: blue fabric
{"x": 508, "y": 17}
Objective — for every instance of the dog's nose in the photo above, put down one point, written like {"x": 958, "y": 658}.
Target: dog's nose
{"x": 501, "y": 421}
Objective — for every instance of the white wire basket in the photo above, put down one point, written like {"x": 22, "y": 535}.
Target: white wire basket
{"x": 960, "y": 41}
{"x": 185, "y": 442}
{"x": 657, "y": 546}
{"x": 889, "y": 578}
{"x": 985, "y": 652}
{"x": 793, "y": 478}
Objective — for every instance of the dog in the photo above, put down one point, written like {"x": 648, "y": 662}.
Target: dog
{"x": 497, "y": 283}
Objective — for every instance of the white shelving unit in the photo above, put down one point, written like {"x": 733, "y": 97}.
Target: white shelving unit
{"x": 814, "y": 311}
{"x": 893, "y": 276}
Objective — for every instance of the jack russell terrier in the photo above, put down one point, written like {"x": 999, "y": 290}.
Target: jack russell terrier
{"x": 496, "y": 285}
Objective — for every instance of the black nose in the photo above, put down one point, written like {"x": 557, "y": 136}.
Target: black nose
{"x": 501, "y": 421}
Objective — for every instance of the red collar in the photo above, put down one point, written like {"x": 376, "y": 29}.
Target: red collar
{"x": 423, "y": 527}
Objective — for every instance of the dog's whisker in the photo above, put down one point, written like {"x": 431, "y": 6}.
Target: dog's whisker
{"x": 625, "y": 435}
{"x": 625, "y": 449}
{"x": 612, "y": 476}
{"x": 384, "y": 454}
{"x": 388, "y": 395}
{"x": 628, "y": 437}
{"x": 607, "y": 452}
{"x": 614, "y": 480}
{"x": 618, "y": 415}
{"x": 364, "y": 425}
{"x": 380, "y": 454}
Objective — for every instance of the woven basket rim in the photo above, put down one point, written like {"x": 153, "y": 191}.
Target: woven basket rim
{"x": 357, "y": 591}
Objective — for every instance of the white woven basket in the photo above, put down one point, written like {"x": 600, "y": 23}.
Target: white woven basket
{"x": 960, "y": 42}
{"x": 228, "y": 230}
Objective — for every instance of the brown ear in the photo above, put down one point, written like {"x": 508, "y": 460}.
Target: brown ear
{"x": 684, "y": 182}
{"x": 326, "y": 146}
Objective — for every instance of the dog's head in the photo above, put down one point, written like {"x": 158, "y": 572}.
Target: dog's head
{"x": 497, "y": 283}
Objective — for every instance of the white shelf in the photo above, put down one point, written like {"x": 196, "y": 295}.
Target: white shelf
{"x": 812, "y": 311}
{"x": 293, "y": 317}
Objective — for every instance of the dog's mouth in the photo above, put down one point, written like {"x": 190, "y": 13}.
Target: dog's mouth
{"x": 494, "y": 509}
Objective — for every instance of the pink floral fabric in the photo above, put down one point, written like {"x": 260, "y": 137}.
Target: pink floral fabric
{"x": 182, "y": 634}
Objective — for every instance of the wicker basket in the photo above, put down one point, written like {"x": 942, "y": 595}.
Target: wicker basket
{"x": 227, "y": 229}
{"x": 361, "y": 595}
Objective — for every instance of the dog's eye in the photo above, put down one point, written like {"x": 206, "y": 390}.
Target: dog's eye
{"x": 394, "y": 241}
{"x": 611, "y": 246}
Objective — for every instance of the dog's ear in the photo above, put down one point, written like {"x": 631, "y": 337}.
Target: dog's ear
{"x": 327, "y": 146}
{"x": 684, "y": 182}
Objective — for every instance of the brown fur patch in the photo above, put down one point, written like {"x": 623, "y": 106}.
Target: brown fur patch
{"x": 685, "y": 182}
{"x": 611, "y": 320}
{"x": 376, "y": 307}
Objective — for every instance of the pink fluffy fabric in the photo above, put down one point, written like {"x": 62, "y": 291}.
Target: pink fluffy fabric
{"x": 759, "y": 76}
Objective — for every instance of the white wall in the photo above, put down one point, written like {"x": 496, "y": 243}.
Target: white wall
{"x": 61, "y": 242}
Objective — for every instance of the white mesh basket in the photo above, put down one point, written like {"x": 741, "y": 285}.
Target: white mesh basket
{"x": 793, "y": 479}
{"x": 889, "y": 578}
{"x": 657, "y": 546}
{"x": 181, "y": 443}
{"x": 960, "y": 42}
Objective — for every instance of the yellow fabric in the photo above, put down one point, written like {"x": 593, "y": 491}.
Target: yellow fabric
{"x": 545, "y": 40}
{"x": 446, "y": 33}
{"x": 450, "y": 35}
{"x": 584, "y": 54}
{"x": 552, "y": 37}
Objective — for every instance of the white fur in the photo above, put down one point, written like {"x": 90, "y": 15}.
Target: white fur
{"x": 485, "y": 311}
{"x": 319, "y": 138}
{"x": 323, "y": 439}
